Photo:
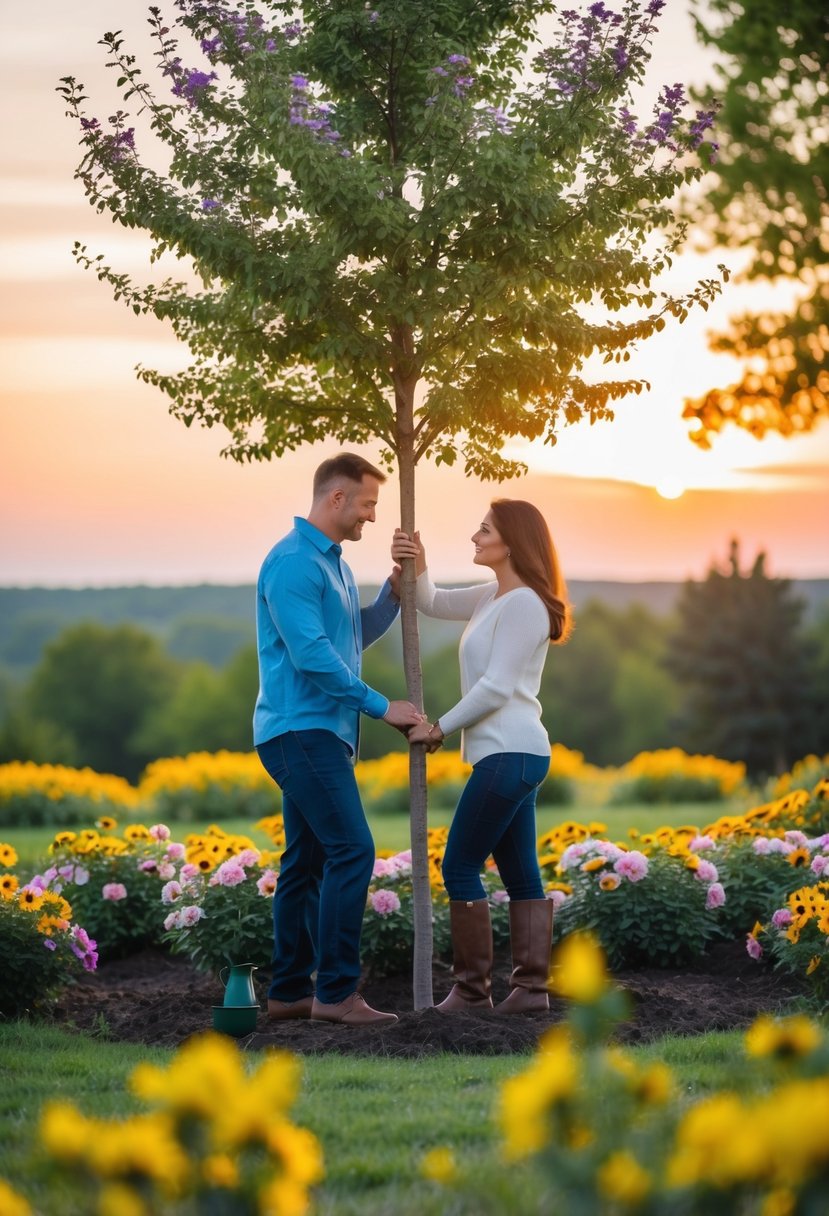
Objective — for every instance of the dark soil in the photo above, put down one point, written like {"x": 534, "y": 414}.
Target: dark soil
{"x": 158, "y": 999}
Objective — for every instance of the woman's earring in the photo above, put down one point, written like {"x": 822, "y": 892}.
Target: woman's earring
{"x": 509, "y": 552}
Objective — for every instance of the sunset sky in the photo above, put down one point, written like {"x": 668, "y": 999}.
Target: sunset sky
{"x": 98, "y": 485}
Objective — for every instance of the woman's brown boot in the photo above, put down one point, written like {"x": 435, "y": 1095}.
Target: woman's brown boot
{"x": 472, "y": 957}
{"x": 531, "y": 940}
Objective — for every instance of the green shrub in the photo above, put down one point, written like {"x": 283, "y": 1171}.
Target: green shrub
{"x": 645, "y": 911}
{"x": 41, "y": 949}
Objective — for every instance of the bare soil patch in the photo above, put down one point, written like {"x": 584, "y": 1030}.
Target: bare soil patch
{"x": 159, "y": 999}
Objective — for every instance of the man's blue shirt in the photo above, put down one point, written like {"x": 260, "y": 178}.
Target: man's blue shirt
{"x": 311, "y": 632}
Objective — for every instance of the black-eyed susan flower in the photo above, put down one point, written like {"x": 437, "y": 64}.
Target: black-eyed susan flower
{"x": 30, "y": 899}
{"x": 8, "y": 886}
{"x": 8, "y": 855}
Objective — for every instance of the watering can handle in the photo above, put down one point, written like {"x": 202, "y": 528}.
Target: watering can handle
{"x": 222, "y": 976}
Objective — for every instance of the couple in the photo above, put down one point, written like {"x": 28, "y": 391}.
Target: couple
{"x": 311, "y": 632}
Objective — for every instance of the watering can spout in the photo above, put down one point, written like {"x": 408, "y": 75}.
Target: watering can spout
{"x": 239, "y": 988}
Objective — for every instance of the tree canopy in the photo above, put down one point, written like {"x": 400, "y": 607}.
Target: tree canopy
{"x": 768, "y": 193}
{"x": 380, "y": 199}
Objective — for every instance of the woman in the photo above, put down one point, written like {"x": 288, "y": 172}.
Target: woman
{"x": 512, "y": 621}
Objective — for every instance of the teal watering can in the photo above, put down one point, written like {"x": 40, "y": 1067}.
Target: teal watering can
{"x": 239, "y": 984}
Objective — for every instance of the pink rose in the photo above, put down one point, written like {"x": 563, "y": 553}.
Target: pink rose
{"x": 706, "y": 871}
{"x": 229, "y": 874}
{"x": 384, "y": 867}
{"x": 189, "y": 872}
{"x": 701, "y": 842}
{"x": 166, "y": 870}
{"x": 633, "y": 866}
{"x": 175, "y": 851}
{"x": 782, "y": 918}
{"x": 266, "y": 885}
{"x": 715, "y": 897}
{"x": 500, "y": 897}
{"x": 189, "y": 916}
{"x": 753, "y": 947}
{"x": 114, "y": 891}
{"x": 170, "y": 892}
{"x": 160, "y": 831}
{"x": 819, "y": 864}
{"x": 385, "y": 902}
{"x": 172, "y": 921}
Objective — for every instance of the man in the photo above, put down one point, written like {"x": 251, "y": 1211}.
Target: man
{"x": 310, "y": 635}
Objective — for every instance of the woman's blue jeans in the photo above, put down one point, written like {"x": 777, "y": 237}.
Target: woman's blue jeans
{"x": 496, "y": 815}
{"x": 326, "y": 867}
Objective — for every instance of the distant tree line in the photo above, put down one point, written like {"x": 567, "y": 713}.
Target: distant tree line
{"x": 733, "y": 671}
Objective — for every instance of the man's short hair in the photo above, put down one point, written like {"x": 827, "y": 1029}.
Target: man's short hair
{"x": 348, "y": 465}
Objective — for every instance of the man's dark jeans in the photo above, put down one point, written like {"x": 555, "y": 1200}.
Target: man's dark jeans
{"x": 326, "y": 867}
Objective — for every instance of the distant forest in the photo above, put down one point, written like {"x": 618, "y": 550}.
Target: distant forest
{"x": 736, "y": 666}
{"x": 211, "y": 621}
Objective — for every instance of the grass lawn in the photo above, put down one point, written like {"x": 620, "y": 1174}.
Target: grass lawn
{"x": 374, "y": 1118}
{"x": 391, "y": 829}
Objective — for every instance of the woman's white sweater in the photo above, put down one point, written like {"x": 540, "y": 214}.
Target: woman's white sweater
{"x": 502, "y": 653}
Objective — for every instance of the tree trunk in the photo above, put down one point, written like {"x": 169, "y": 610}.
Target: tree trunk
{"x": 422, "y": 970}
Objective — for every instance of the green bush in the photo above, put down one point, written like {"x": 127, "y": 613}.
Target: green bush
{"x": 645, "y": 911}
{"x": 41, "y": 949}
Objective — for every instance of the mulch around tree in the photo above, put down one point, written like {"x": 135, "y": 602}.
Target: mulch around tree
{"x": 159, "y": 999}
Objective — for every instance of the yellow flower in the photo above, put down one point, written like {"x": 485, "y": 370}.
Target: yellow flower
{"x": 12, "y": 1204}
{"x": 595, "y": 863}
{"x": 118, "y": 1199}
{"x": 63, "y": 1131}
{"x": 623, "y": 1180}
{"x": 525, "y": 1101}
{"x": 57, "y": 904}
{"x": 283, "y": 1197}
{"x": 8, "y": 886}
{"x": 439, "y": 1165}
{"x": 564, "y": 887}
{"x": 793, "y": 1036}
{"x": 609, "y": 882}
{"x": 220, "y": 1170}
{"x": 106, "y": 823}
{"x": 136, "y": 831}
{"x": 718, "y": 1143}
{"x": 814, "y": 963}
{"x": 798, "y": 857}
{"x": 578, "y": 971}
{"x": 654, "y": 1086}
{"x": 298, "y": 1150}
{"x": 29, "y": 900}
{"x": 49, "y": 924}
{"x": 8, "y": 856}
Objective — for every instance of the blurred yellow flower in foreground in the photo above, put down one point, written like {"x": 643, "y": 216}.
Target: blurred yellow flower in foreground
{"x": 578, "y": 971}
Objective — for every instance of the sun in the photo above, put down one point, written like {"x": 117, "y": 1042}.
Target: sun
{"x": 669, "y": 486}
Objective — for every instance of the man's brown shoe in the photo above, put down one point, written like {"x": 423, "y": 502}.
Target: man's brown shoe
{"x": 353, "y": 1011}
{"x": 280, "y": 1011}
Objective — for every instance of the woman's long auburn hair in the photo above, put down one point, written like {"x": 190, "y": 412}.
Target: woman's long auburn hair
{"x": 524, "y": 531}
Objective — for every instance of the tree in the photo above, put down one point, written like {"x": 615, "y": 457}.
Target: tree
{"x": 208, "y": 711}
{"x": 403, "y": 236}
{"x": 770, "y": 195}
{"x": 745, "y": 668}
{"x": 606, "y": 693}
{"x": 97, "y": 687}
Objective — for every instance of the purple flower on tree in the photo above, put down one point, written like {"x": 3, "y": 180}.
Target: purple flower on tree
{"x": 190, "y": 84}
